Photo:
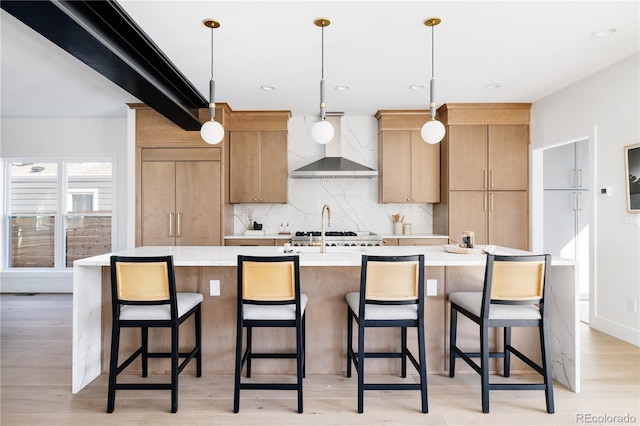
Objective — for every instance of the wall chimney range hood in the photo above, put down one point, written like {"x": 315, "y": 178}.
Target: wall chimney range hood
{"x": 333, "y": 165}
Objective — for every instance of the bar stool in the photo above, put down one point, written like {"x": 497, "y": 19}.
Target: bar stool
{"x": 391, "y": 295}
{"x": 143, "y": 294}
{"x": 514, "y": 295}
{"x": 269, "y": 296}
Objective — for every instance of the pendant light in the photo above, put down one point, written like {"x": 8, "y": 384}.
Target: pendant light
{"x": 432, "y": 131}
{"x": 322, "y": 131}
{"x": 211, "y": 131}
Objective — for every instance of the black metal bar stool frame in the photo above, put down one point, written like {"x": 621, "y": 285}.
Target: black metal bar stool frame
{"x": 485, "y": 321}
{"x": 298, "y": 323}
{"x": 360, "y": 317}
{"x": 174, "y": 323}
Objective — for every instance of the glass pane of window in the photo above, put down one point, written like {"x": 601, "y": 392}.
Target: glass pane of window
{"x": 87, "y": 236}
{"x": 32, "y": 241}
{"x": 89, "y": 187}
{"x": 81, "y": 202}
{"x": 34, "y": 188}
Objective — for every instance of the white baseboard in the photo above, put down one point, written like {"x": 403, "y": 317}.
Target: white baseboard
{"x": 616, "y": 330}
{"x": 36, "y": 282}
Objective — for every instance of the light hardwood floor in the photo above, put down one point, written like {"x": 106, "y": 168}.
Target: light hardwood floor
{"x": 36, "y": 388}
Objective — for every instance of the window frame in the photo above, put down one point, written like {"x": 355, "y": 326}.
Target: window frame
{"x": 61, "y": 215}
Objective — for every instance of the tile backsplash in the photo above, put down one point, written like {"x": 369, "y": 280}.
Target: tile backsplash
{"x": 353, "y": 202}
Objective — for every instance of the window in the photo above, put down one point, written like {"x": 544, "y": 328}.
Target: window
{"x": 58, "y": 211}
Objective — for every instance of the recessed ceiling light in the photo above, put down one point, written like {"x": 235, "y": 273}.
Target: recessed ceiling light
{"x": 492, "y": 86}
{"x": 267, "y": 88}
{"x": 342, "y": 88}
{"x": 603, "y": 32}
{"x": 416, "y": 87}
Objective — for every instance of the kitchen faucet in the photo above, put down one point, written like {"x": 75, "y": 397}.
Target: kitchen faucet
{"x": 323, "y": 246}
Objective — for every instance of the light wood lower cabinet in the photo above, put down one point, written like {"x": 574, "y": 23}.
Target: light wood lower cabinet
{"x": 496, "y": 217}
{"x": 414, "y": 241}
{"x": 249, "y": 242}
{"x": 180, "y": 197}
{"x": 422, "y": 241}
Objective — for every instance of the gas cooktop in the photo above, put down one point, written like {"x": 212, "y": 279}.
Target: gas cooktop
{"x": 327, "y": 234}
{"x": 336, "y": 238}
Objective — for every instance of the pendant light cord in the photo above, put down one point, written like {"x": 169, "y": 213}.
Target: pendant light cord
{"x": 211, "y": 53}
{"x": 432, "y": 50}
{"x": 322, "y": 54}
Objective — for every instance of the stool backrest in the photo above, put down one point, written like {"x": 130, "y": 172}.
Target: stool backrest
{"x": 516, "y": 280}
{"x": 142, "y": 280}
{"x": 269, "y": 279}
{"x": 390, "y": 281}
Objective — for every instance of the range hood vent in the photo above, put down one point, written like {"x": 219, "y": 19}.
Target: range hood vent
{"x": 333, "y": 165}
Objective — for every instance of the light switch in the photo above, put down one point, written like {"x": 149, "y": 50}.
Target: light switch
{"x": 432, "y": 287}
{"x": 214, "y": 287}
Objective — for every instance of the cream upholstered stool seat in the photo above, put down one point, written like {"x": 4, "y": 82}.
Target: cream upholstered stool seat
{"x": 514, "y": 295}
{"x": 391, "y": 295}
{"x": 269, "y": 296}
{"x": 143, "y": 295}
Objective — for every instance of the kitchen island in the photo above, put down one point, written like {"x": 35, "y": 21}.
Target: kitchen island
{"x": 326, "y": 278}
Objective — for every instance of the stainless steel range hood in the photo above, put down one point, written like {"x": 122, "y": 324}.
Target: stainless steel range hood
{"x": 333, "y": 165}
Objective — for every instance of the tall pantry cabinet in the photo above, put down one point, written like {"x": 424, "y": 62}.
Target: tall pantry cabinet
{"x": 178, "y": 184}
{"x": 485, "y": 173}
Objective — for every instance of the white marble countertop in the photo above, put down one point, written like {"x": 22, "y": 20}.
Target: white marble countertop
{"x": 309, "y": 256}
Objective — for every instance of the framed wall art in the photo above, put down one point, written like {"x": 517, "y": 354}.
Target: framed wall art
{"x": 632, "y": 169}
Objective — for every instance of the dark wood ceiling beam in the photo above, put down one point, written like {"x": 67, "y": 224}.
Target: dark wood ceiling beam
{"x": 103, "y": 36}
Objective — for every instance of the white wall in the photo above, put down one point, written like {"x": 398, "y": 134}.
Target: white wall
{"x": 605, "y": 108}
{"x": 67, "y": 138}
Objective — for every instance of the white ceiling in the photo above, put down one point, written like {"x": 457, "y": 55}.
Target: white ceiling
{"x": 378, "y": 48}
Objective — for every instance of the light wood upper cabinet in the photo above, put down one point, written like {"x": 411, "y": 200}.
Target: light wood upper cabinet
{"x": 488, "y": 157}
{"x": 408, "y": 167}
{"x": 468, "y": 151}
{"x": 258, "y": 166}
{"x": 180, "y": 197}
{"x": 258, "y": 170}
{"x": 508, "y": 159}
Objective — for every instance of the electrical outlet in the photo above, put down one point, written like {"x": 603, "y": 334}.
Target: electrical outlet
{"x": 432, "y": 287}
{"x": 214, "y": 287}
{"x": 632, "y": 305}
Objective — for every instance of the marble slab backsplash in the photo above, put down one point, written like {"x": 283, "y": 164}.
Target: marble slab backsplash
{"x": 353, "y": 202}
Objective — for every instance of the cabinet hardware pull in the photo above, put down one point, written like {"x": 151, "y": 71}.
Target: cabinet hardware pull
{"x": 171, "y": 224}
{"x": 491, "y": 179}
{"x": 491, "y": 202}
{"x": 575, "y": 201}
{"x": 575, "y": 178}
{"x": 578, "y": 203}
{"x": 484, "y": 202}
{"x": 484, "y": 179}
{"x": 178, "y": 225}
{"x": 579, "y": 178}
